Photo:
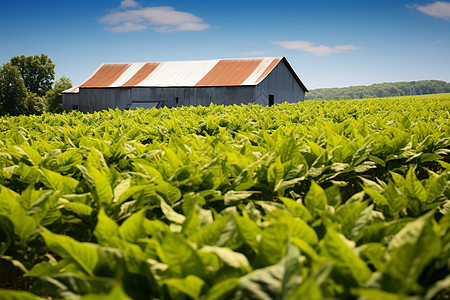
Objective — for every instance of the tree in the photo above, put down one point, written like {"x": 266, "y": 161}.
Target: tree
{"x": 37, "y": 72}
{"x": 53, "y": 98}
{"x": 34, "y": 105}
{"x": 13, "y": 92}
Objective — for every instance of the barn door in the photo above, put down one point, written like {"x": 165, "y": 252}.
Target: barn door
{"x": 271, "y": 100}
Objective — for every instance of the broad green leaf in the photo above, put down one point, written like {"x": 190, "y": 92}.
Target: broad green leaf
{"x": 398, "y": 202}
{"x": 24, "y": 225}
{"x": 364, "y": 218}
{"x": 296, "y": 227}
{"x": 412, "y": 249}
{"x": 308, "y": 290}
{"x": 71, "y": 286}
{"x": 179, "y": 255}
{"x": 399, "y": 180}
{"x": 116, "y": 293}
{"x": 84, "y": 255}
{"x": 147, "y": 169}
{"x": 373, "y": 185}
{"x": 374, "y": 253}
{"x": 30, "y": 195}
{"x": 123, "y": 186}
{"x": 56, "y": 181}
{"x": 191, "y": 286}
{"x": 235, "y": 197}
{"x": 316, "y": 199}
{"x": 275, "y": 173}
{"x": 48, "y": 268}
{"x": 300, "y": 229}
{"x": 335, "y": 247}
{"x": 69, "y": 159}
{"x": 170, "y": 193}
{"x": 348, "y": 215}
{"x": 125, "y": 195}
{"x": 374, "y": 294}
{"x": 29, "y": 153}
{"x": 9, "y": 200}
{"x": 414, "y": 188}
{"x": 274, "y": 240}
{"x": 209, "y": 235}
{"x": 41, "y": 207}
{"x": 365, "y": 166}
{"x": 229, "y": 257}
{"x": 436, "y": 186}
{"x": 297, "y": 209}
{"x": 170, "y": 214}
{"x": 106, "y": 228}
{"x": 98, "y": 184}
{"x": 133, "y": 228}
{"x": 305, "y": 248}
{"x": 380, "y": 201}
{"x": 222, "y": 290}
{"x": 288, "y": 150}
{"x": 248, "y": 231}
{"x": 80, "y": 209}
{"x": 278, "y": 281}
{"x": 17, "y": 295}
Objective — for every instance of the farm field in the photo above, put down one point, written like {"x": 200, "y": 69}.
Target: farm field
{"x": 313, "y": 200}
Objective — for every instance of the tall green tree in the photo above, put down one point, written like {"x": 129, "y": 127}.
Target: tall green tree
{"x": 34, "y": 105}
{"x": 53, "y": 98}
{"x": 13, "y": 92}
{"x": 37, "y": 72}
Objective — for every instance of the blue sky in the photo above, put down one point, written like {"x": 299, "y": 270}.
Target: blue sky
{"x": 328, "y": 43}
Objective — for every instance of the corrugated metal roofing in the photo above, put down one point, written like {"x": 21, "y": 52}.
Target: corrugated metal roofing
{"x": 203, "y": 73}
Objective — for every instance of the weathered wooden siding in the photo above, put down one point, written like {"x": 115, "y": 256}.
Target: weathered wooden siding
{"x": 194, "y": 95}
{"x": 95, "y": 99}
{"x": 281, "y": 84}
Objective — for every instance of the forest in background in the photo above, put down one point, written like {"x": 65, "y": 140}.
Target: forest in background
{"x": 378, "y": 90}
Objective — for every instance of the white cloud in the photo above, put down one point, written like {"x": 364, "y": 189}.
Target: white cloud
{"x": 128, "y": 3}
{"x": 161, "y": 19}
{"x": 127, "y": 27}
{"x": 253, "y": 53}
{"x": 181, "y": 27}
{"x": 317, "y": 50}
{"x": 438, "y": 9}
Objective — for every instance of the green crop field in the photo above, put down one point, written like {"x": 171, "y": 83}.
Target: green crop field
{"x": 313, "y": 200}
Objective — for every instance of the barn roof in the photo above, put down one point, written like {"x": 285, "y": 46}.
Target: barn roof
{"x": 202, "y": 73}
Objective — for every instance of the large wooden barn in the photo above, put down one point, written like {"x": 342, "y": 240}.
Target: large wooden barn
{"x": 263, "y": 81}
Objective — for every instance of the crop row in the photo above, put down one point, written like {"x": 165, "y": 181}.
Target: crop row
{"x": 336, "y": 199}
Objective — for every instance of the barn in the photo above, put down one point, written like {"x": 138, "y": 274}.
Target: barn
{"x": 264, "y": 81}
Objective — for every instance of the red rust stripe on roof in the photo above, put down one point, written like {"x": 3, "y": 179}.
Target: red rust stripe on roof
{"x": 143, "y": 73}
{"x": 269, "y": 69}
{"x": 229, "y": 72}
{"x": 106, "y": 75}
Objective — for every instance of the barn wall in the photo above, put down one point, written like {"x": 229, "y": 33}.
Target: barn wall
{"x": 281, "y": 84}
{"x": 194, "y": 95}
{"x": 94, "y": 99}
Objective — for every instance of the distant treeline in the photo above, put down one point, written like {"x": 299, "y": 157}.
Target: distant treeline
{"x": 388, "y": 89}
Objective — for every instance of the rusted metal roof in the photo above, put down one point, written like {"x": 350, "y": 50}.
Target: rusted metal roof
{"x": 204, "y": 73}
